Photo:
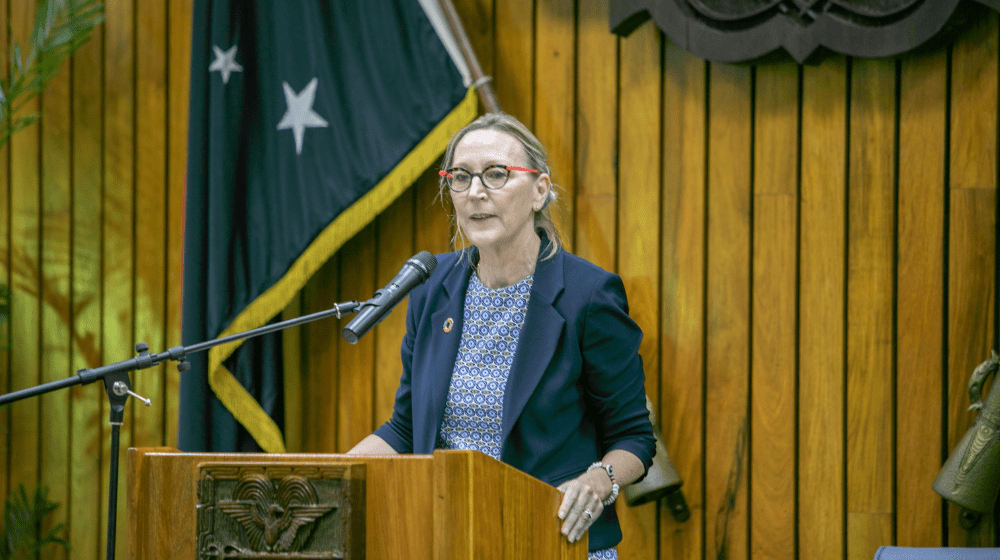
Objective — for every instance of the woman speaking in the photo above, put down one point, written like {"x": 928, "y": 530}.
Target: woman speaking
{"x": 518, "y": 349}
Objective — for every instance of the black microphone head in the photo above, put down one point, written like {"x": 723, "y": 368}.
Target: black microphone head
{"x": 425, "y": 261}
{"x": 416, "y": 271}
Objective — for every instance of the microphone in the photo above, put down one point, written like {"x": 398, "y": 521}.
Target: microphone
{"x": 415, "y": 272}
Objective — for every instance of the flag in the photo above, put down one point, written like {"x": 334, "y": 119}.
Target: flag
{"x": 307, "y": 119}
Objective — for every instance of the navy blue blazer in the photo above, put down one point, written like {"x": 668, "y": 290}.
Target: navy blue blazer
{"x": 575, "y": 390}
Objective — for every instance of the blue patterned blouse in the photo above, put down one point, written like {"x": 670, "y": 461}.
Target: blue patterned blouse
{"x": 490, "y": 331}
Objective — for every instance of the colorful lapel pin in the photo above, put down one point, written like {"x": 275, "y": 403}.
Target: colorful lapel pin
{"x": 448, "y": 324}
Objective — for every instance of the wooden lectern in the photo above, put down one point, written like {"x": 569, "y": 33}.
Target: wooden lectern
{"x": 449, "y": 505}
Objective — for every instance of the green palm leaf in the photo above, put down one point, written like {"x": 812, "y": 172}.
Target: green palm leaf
{"x": 22, "y": 518}
{"x": 61, "y": 27}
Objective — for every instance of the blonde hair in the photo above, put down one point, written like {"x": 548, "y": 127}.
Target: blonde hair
{"x": 536, "y": 155}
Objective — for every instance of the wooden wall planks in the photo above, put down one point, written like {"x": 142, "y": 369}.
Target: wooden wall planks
{"x": 5, "y": 270}
{"x": 319, "y": 370}
{"x": 118, "y": 235}
{"x": 54, "y": 283}
{"x": 596, "y": 137}
{"x": 555, "y": 81}
{"x": 920, "y": 295}
{"x": 821, "y": 450}
{"x": 870, "y": 294}
{"x": 23, "y": 256}
{"x": 356, "y": 363}
{"x": 971, "y": 252}
{"x": 150, "y": 210}
{"x": 395, "y": 246}
{"x": 178, "y": 71}
{"x": 292, "y": 360}
{"x": 727, "y": 343}
{"x": 682, "y": 309}
{"x": 514, "y": 61}
{"x": 772, "y": 378}
{"x": 810, "y": 250}
{"x": 638, "y": 236}
{"x": 88, "y": 472}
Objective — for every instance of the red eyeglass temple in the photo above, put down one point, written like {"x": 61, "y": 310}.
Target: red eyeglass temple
{"x": 509, "y": 168}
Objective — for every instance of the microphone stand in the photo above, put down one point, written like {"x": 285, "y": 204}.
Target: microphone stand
{"x": 119, "y": 387}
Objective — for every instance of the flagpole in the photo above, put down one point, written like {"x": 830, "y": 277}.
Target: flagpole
{"x": 480, "y": 81}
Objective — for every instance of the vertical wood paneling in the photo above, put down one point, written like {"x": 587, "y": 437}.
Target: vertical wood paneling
{"x": 151, "y": 214}
{"x": 477, "y": 20}
{"x": 867, "y": 531}
{"x": 55, "y": 279}
{"x": 596, "y": 137}
{"x": 292, "y": 376}
{"x": 118, "y": 223}
{"x": 920, "y": 297}
{"x": 728, "y": 312}
{"x": 5, "y": 251}
{"x": 555, "y": 104}
{"x": 178, "y": 85}
{"x": 638, "y": 247}
{"x": 395, "y": 246}
{"x": 432, "y": 215}
{"x": 86, "y": 475}
{"x": 25, "y": 259}
{"x": 513, "y": 67}
{"x": 320, "y": 371}
{"x": 821, "y": 452}
{"x": 871, "y": 233}
{"x": 972, "y": 233}
{"x": 773, "y": 367}
{"x": 682, "y": 343}
{"x": 356, "y": 362}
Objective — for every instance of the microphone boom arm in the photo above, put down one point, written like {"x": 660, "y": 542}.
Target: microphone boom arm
{"x": 178, "y": 353}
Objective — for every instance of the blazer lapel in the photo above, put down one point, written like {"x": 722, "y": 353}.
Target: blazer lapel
{"x": 441, "y": 353}
{"x": 543, "y": 327}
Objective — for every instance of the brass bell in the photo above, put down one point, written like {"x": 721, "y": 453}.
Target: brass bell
{"x": 661, "y": 480}
{"x": 971, "y": 475}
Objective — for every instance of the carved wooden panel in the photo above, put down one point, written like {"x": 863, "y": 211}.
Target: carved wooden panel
{"x": 272, "y": 511}
{"x": 740, "y": 30}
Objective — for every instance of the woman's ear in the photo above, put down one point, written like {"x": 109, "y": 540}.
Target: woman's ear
{"x": 542, "y": 188}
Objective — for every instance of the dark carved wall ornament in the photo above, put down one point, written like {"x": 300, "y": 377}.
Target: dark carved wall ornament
{"x": 741, "y": 30}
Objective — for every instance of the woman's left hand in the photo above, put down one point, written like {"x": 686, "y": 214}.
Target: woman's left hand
{"x": 581, "y": 503}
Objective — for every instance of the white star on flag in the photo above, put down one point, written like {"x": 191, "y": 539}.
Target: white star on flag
{"x": 300, "y": 115}
{"x": 225, "y": 63}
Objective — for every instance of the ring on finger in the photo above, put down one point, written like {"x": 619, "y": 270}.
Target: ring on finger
{"x": 588, "y": 513}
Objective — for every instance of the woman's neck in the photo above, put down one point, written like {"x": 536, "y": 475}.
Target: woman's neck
{"x": 506, "y": 265}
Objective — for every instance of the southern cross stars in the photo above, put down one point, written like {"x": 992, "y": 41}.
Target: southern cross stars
{"x": 225, "y": 63}
{"x": 300, "y": 114}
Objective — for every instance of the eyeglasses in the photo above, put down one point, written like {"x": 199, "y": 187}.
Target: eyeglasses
{"x": 493, "y": 177}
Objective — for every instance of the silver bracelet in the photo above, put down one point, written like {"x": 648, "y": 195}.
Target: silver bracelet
{"x": 614, "y": 485}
